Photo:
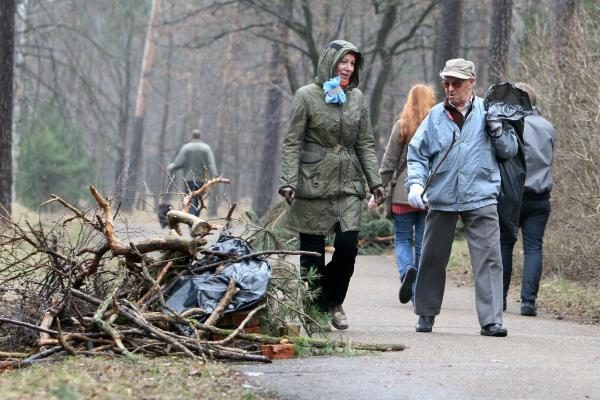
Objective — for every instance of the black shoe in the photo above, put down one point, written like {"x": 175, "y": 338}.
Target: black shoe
{"x": 528, "y": 309}
{"x": 425, "y": 323}
{"x": 405, "y": 293}
{"x": 495, "y": 330}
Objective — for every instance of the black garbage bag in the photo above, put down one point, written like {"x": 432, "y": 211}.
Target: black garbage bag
{"x": 205, "y": 290}
{"x": 508, "y": 103}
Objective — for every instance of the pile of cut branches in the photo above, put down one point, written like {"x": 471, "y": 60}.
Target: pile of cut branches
{"x": 74, "y": 287}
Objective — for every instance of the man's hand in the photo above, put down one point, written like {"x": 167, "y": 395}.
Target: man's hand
{"x": 494, "y": 128}
{"x": 288, "y": 194}
{"x": 415, "y": 198}
{"x": 380, "y": 195}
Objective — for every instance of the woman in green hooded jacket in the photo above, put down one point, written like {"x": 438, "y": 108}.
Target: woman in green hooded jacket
{"x": 328, "y": 152}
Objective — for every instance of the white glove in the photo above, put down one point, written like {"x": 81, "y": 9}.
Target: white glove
{"x": 372, "y": 203}
{"x": 414, "y": 196}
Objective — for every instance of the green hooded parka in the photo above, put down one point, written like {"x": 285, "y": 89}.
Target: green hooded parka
{"x": 328, "y": 152}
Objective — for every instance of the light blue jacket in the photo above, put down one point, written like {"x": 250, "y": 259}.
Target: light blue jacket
{"x": 469, "y": 177}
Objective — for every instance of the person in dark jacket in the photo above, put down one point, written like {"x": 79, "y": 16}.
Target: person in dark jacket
{"x": 328, "y": 152}
{"x": 196, "y": 160}
{"x": 538, "y": 141}
{"x": 453, "y": 171}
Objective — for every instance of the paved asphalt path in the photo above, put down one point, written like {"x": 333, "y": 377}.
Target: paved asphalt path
{"x": 542, "y": 357}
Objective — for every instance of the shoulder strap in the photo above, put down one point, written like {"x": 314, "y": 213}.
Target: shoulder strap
{"x": 401, "y": 166}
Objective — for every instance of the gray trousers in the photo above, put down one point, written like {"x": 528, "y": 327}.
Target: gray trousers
{"x": 483, "y": 236}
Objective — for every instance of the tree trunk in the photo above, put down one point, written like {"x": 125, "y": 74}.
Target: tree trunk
{"x": 565, "y": 20}
{"x": 223, "y": 122}
{"x": 448, "y": 39}
{"x": 137, "y": 152}
{"x": 499, "y": 40}
{"x": 121, "y": 168}
{"x": 21, "y": 25}
{"x": 162, "y": 183}
{"x": 481, "y": 39}
{"x": 265, "y": 188}
{"x": 7, "y": 48}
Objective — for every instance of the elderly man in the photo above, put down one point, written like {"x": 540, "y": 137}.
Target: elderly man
{"x": 452, "y": 169}
{"x": 195, "y": 159}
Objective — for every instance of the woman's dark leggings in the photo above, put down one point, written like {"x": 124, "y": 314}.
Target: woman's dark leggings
{"x": 335, "y": 276}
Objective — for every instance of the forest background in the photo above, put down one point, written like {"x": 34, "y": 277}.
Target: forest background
{"x": 105, "y": 92}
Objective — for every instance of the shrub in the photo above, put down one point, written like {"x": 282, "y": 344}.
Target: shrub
{"x": 52, "y": 160}
{"x": 570, "y": 101}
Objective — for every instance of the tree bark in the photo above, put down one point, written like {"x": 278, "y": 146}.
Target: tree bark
{"x": 137, "y": 151}
{"x": 21, "y": 39}
{"x": 499, "y": 40}
{"x": 565, "y": 20}
{"x": 223, "y": 122}
{"x": 7, "y": 48}
{"x": 265, "y": 188}
{"x": 121, "y": 167}
{"x": 482, "y": 13}
{"x": 448, "y": 39}
{"x": 162, "y": 183}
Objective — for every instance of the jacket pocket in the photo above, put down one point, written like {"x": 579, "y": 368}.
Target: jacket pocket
{"x": 310, "y": 184}
{"x": 440, "y": 189}
{"x": 485, "y": 179}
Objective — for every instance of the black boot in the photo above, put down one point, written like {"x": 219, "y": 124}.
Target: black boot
{"x": 425, "y": 323}
{"x": 405, "y": 292}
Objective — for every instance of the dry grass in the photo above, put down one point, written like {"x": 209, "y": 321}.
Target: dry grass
{"x": 95, "y": 378}
{"x": 570, "y": 300}
{"x": 571, "y": 101}
{"x": 565, "y": 298}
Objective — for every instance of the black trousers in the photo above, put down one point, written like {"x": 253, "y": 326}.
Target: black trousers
{"x": 335, "y": 276}
{"x": 193, "y": 186}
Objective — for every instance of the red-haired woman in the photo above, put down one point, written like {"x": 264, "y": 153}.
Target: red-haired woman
{"x": 409, "y": 222}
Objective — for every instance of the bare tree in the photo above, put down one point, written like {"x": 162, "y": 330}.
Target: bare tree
{"x": 391, "y": 38}
{"x": 263, "y": 195}
{"x": 563, "y": 34}
{"x": 223, "y": 118}
{"x": 388, "y": 48}
{"x": 165, "y": 118}
{"x": 137, "y": 153}
{"x": 7, "y": 48}
{"x": 499, "y": 39}
{"x": 447, "y": 38}
{"x": 20, "y": 37}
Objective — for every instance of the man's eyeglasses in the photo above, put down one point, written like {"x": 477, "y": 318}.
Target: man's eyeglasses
{"x": 456, "y": 84}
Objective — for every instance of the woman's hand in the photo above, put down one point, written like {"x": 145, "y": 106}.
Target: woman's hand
{"x": 380, "y": 195}
{"x": 288, "y": 194}
{"x": 372, "y": 203}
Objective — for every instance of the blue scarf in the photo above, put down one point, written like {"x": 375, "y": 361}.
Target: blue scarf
{"x": 334, "y": 94}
